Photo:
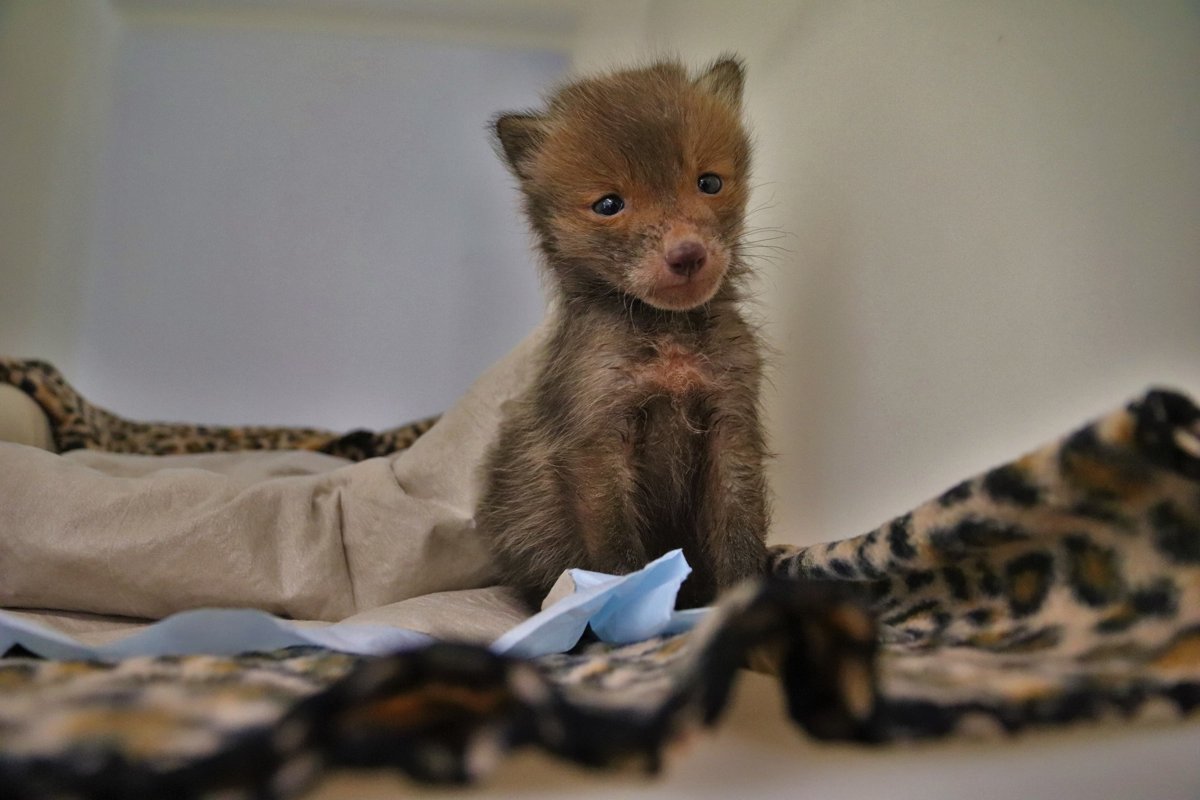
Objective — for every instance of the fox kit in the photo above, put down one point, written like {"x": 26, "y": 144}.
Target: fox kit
{"x": 641, "y": 432}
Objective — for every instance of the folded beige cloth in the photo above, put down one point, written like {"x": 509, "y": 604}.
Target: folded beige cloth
{"x": 299, "y": 534}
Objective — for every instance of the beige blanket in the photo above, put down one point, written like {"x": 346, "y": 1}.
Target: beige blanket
{"x": 299, "y": 534}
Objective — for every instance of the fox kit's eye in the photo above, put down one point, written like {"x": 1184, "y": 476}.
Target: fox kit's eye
{"x": 709, "y": 183}
{"x": 608, "y": 205}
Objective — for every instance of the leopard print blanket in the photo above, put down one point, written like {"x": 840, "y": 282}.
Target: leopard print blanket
{"x": 1063, "y": 587}
{"x": 77, "y": 424}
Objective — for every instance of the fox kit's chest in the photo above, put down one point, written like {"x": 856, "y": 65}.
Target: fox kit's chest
{"x": 669, "y": 367}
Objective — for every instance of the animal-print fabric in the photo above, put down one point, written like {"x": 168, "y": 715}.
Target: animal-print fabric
{"x": 267, "y": 725}
{"x": 77, "y": 424}
{"x": 1063, "y": 587}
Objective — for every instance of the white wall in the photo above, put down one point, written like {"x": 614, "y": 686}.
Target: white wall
{"x": 305, "y": 226}
{"x": 990, "y": 218}
{"x": 260, "y": 212}
{"x": 55, "y": 59}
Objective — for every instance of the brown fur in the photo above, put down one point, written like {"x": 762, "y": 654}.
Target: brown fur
{"x": 641, "y": 433}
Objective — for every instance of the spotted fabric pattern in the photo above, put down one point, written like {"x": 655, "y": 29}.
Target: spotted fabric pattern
{"x": 267, "y": 725}
{"x": 1060, "y": 588}
{"x": 77, "y": 424}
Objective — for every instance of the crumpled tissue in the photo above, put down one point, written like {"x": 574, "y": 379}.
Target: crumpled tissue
{"x": 618, "y": 608}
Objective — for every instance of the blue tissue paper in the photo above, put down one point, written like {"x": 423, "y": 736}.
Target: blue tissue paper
{"x": 618, "y": 608}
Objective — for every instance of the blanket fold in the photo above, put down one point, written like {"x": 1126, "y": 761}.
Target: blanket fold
{"x": 300, "y": 534}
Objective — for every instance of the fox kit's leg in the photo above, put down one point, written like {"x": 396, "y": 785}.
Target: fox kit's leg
{"x": 553, "y": 506}
{"x": 603, "y": 481}
{"x": 533, "y": 535}
{"x": 733, "y": 506}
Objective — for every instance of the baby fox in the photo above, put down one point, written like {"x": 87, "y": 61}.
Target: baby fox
{"x": 641, "y": 432}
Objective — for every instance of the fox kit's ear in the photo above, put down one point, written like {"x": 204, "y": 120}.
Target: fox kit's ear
{"x": 724, "y": 78}
{"x": 519, "y": 136}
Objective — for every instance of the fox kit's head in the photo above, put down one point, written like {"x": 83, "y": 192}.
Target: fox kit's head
{"x": 636, "y": 182}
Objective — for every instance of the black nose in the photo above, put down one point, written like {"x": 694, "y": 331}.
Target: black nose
{"x": 686, "y": 258}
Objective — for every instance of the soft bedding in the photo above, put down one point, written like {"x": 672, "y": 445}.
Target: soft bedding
{"x": 301, "y": 534}
{"x": 1060, "y": 588}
